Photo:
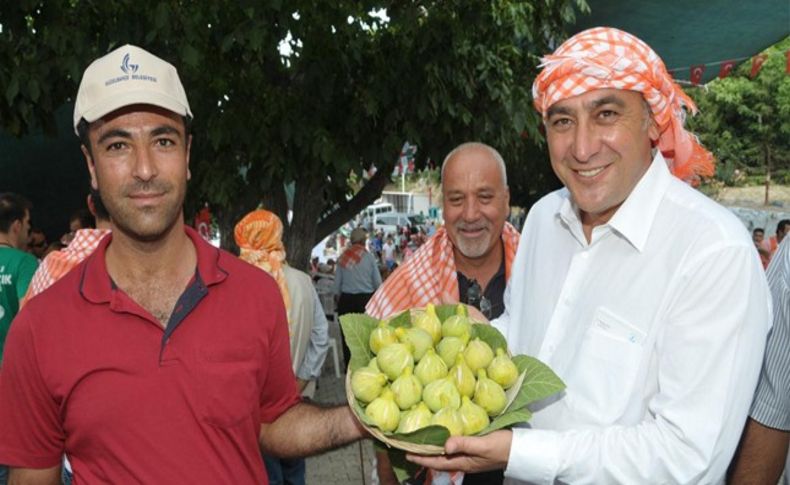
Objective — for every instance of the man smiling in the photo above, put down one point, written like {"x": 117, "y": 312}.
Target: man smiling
{"x": 644, "y": 296}
{"x": 468, "y": 260}
{"x": 159, "y": 359}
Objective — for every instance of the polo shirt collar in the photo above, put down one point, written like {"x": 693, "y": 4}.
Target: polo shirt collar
{"x": 634, "y": 219}
{"x": 96, "y": 285}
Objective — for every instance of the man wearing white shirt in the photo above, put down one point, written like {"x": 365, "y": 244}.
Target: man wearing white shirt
{"x": 644, "y": 296}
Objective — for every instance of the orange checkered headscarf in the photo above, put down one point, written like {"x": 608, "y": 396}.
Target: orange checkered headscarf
{"x": 604, "y": 57}
{"x": 259, "y": 236}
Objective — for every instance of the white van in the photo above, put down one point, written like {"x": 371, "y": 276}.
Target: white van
{"x": 372, "y": 211}
{"x": 390, "y": 221}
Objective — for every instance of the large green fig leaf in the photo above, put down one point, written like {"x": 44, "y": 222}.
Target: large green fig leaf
{"x": 429, "y": 435}
{"x": 356, "y": 330}
{"x": 507, "y": 419}
{"x": 403, "y": 319}
{"x": 489, "y": 335}
{"x": 539, "y": 383}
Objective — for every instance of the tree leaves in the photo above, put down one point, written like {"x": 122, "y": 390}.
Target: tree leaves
{"x": 740, "y": 119}
{"x": 365, "y": 86}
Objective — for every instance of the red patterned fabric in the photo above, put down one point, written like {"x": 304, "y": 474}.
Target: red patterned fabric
{"x": 428, "y": 275}
{"x": 352, "y": 255}
{"x": 604, "y": 57}
{"x": 58, "y": 263}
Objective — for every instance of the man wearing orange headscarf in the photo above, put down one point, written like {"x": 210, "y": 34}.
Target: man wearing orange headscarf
{"x": 259, "y": 237}
{"x": 643, "y": 295}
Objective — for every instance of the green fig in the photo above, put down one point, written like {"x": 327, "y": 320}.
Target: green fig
{"x": 419, "y": 339}
{"x": 477, "y": 355}
{"x": 407, "y": 389}
{"x": 393, "y": 359}
{"x": 373, "y": 364}
{"x": 456, "y": 326}
{"x": 461, "y": 310}
{"x": 489, "y": 395}
{"x": 429, "y": 321}
{"x": 417, "y": 417}
{"x": 474, "y": 418}
{"x": 502, "y": 370}
{"x": 381, "y": 336}
{"x": 367, "y": 383}
{"x": 450, "y": 418}
{"x": 463, "y": 377}
{"x": 430, "y": 368}
{"x": 448, "y": 348}
{"x": 384, "y": 412}
{"x": 441, "y": 391}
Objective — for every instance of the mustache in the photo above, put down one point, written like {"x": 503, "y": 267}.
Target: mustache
{"x": 472, "y": 226}
{"x": 147, "y": 187}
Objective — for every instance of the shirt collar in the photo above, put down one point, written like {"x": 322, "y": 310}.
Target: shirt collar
{"x": 96, "y": 285}
{"x": 634, "y": 219}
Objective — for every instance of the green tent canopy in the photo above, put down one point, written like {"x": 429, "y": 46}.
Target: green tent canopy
{"x": 695, "y": 32}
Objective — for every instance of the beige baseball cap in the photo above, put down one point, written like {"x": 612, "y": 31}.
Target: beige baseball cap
{"x": 128, "y": 75}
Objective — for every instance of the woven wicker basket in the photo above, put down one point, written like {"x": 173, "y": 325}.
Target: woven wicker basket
{"x": 392, "y": 443}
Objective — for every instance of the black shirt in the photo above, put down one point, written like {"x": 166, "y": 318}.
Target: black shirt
{"x": 492, "y": 304}
{"x": 492, "y": 301}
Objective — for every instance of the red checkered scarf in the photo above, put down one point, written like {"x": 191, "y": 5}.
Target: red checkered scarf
{"x": 352, "y": 256}
{"x": 429, "y": 275}
{"x": 58, "y": 263}
{"x": 604, "y": 57}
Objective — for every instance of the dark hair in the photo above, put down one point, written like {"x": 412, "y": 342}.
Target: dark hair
{"x": 98, "y": 205}
{"x": 12, "y": 208}
{"x": 83, "y": 128}
{"x": 85, "y": 218}
{"x": 758, "y": 229}
{"x": 782, "y": 225}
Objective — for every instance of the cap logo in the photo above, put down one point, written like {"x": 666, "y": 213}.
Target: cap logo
{"x": 128, "y": 68}
{"x": 129, "y": 72}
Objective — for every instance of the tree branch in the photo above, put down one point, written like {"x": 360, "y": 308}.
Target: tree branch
{"x": 346, "y": 210}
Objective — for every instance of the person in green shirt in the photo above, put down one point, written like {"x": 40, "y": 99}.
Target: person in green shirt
{"x": 16, "y": 266}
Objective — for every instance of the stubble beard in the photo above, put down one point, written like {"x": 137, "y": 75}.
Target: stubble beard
{"x": 149, "y": 224}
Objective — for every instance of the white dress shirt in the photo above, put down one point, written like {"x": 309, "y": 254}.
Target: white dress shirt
{"x": 657, "y": 327}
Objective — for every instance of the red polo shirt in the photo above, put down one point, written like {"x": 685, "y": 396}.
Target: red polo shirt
{"x": 89, "y": 371}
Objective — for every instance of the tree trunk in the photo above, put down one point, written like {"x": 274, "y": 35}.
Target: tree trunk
{"x": 344, "y": 212}
{"x": 229, "y": 216}
{"x": 301, "y": 234}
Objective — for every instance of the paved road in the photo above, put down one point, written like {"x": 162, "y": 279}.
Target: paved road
{"x": 342, "y": 466}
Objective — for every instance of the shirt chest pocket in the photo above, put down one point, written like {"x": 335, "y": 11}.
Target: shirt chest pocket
{"x": 227, "y": 382}
{"x": 606, "y": 367}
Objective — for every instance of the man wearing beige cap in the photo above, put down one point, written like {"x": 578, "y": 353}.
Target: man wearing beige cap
{"x": 159, "y": 359}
